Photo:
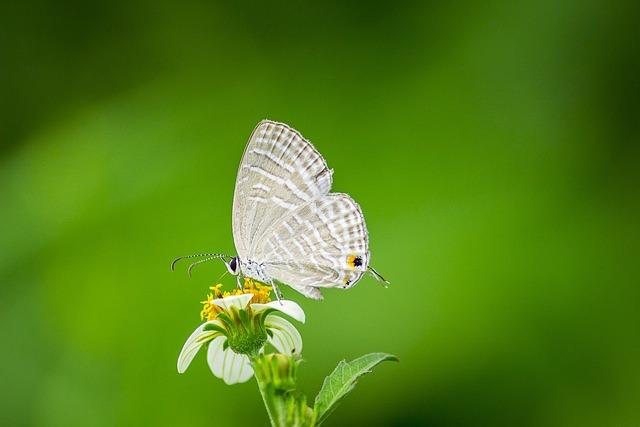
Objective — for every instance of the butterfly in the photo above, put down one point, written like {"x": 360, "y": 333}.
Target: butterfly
{"x": 288, "y": 228}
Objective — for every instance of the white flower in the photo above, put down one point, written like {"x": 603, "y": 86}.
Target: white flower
{"x": 239, "y": 330}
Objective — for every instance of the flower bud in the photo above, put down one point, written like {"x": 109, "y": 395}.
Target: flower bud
{"x": 278, "y": 370}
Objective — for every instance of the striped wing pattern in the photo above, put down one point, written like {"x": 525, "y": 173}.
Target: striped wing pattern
{"x": 285, "y": 217}
{"x": 279, "y": 171}
{"x": 316, "y": 245}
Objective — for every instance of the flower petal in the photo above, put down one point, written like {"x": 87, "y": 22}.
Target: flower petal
{"x": 233, "y": 368}
{"x": 239, "y": 370}
{"x": 193, "y": 344}
{"x": 215, "y": 354}
{"x": 290, "y": 308}
{"x": 238, "y": 301}
{"x": 286, "y": 338}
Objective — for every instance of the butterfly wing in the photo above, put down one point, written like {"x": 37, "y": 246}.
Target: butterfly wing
{"x": 323, "y": 243}
{"x": 279, "y": 171}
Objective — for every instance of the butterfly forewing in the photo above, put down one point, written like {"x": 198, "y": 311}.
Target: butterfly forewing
{"x": 279, "y": 172}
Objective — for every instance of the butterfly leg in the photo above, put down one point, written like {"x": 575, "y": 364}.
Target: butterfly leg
{"x": 276, "y": 290}
{"x": 238, "y": 282}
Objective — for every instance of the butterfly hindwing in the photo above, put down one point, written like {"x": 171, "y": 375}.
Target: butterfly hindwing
{"x": 323, "y": 243}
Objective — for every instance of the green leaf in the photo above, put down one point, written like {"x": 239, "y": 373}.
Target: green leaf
{"x": 343, "y": 379}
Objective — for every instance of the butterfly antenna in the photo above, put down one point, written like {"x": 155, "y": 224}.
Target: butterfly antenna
{"x": 199, "y": 262}
{"x": 379, "y": 277}
{"x": 213, "y": 256}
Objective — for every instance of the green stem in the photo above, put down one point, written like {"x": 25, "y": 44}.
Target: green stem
{"x": 269, "y": 399}
{"x": 275, "y": 375}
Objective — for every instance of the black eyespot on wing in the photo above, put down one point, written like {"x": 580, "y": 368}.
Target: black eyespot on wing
{"x": 354, "y": 261}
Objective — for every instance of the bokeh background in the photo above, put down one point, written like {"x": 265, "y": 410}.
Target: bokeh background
{"x": 493, "y": 147}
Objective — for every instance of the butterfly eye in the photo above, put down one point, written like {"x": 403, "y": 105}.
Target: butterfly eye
{"x": 233, "y": 265}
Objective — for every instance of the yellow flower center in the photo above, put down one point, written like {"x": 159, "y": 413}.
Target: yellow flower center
{"x": 260, "y": 296}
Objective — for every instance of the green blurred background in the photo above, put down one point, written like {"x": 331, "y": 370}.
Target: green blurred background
{"x": 493, "y": 147}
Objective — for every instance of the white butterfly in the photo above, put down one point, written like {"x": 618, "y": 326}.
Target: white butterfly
{"x": 287, "y": 227}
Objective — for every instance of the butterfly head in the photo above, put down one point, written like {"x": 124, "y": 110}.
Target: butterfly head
{"x": 233, "y": 266}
